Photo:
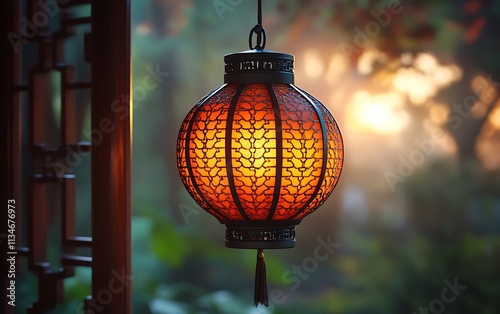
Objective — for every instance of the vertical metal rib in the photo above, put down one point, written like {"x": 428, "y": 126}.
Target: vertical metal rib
{"x": 228, "y": 145}
{"x": 279, "y": 150}
{"x": 186, "y": 147}
{"x": 325, "y": 150}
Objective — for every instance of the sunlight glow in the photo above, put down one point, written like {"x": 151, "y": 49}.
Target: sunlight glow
{"x": 486, "y": 92}
{"x": 314, "y": 65}
{"x": 418, "y": 87}
{"x": 426, "y": 63}
{"x": 337, "y": 68}
{"x": 422, "y": 81}
{"x": 443, "y": 76}
{"x": 494, "y": 117}
{"x": 368, "y": 59}
{"x": 406, "y": 58}
{"x": 438, "y": 113}
{"x": 488, "y": 143}
{"x": 379, "y": 113}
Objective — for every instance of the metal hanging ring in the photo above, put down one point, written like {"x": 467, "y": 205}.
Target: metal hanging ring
{"x": 261, "y": 38}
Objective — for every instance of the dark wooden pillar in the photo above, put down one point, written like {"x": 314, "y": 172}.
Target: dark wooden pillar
{"x": 111, "y": 157}
{"x": 10, "y": 138}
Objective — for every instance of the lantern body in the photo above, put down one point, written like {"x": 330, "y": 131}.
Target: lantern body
{"x": 259, "y": 153}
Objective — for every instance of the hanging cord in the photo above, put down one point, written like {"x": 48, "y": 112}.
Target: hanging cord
{"x": 258, "y": 30}
{"x": 260, "y": 290}
{"x": 259, "y": 12}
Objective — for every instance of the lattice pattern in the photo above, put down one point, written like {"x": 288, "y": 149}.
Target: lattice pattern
{"x": 302, "y": 151}
{"x": 334, "y": 162}
{"x": 255, "y": 152}
{"x": 206, "y": 178}
{"x": 49, "y": 147}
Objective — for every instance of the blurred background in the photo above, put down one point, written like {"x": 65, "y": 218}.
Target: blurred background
{"x": 415, "y": 89}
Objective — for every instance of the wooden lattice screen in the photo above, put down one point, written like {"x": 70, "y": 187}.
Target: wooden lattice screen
{"x": 30, "y": 174}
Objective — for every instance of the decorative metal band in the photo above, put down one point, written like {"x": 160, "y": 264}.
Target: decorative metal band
{"x": 259, "y": 64}
{"x": 259, "y": 67}
{"x": 260, "y": 235}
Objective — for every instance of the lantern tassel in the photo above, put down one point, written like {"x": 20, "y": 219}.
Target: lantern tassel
{"x": 260, "y": 292}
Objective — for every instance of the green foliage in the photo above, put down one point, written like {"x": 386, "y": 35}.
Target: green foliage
{"x": 167, "y": 244}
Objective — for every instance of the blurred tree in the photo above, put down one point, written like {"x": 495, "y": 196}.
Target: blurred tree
{"x": 463, "y": 31}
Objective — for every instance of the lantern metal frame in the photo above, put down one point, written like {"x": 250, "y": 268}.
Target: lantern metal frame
{"x": 268, "y": 68}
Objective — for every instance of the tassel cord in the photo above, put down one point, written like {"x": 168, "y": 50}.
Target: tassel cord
{"x": 260, "y": 290}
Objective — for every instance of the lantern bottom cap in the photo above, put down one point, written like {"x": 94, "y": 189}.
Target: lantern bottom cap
{"x": 260, "y": 237}
{"x": 260, "y": 245}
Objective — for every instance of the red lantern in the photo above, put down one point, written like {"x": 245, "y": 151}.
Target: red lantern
{"x": 259, "y": 153}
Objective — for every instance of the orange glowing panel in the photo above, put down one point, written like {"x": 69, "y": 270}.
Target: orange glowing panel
{"x": 259, "y": 152}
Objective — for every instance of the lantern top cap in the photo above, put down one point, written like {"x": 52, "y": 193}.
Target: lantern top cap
{"x": 259, "y": 67}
